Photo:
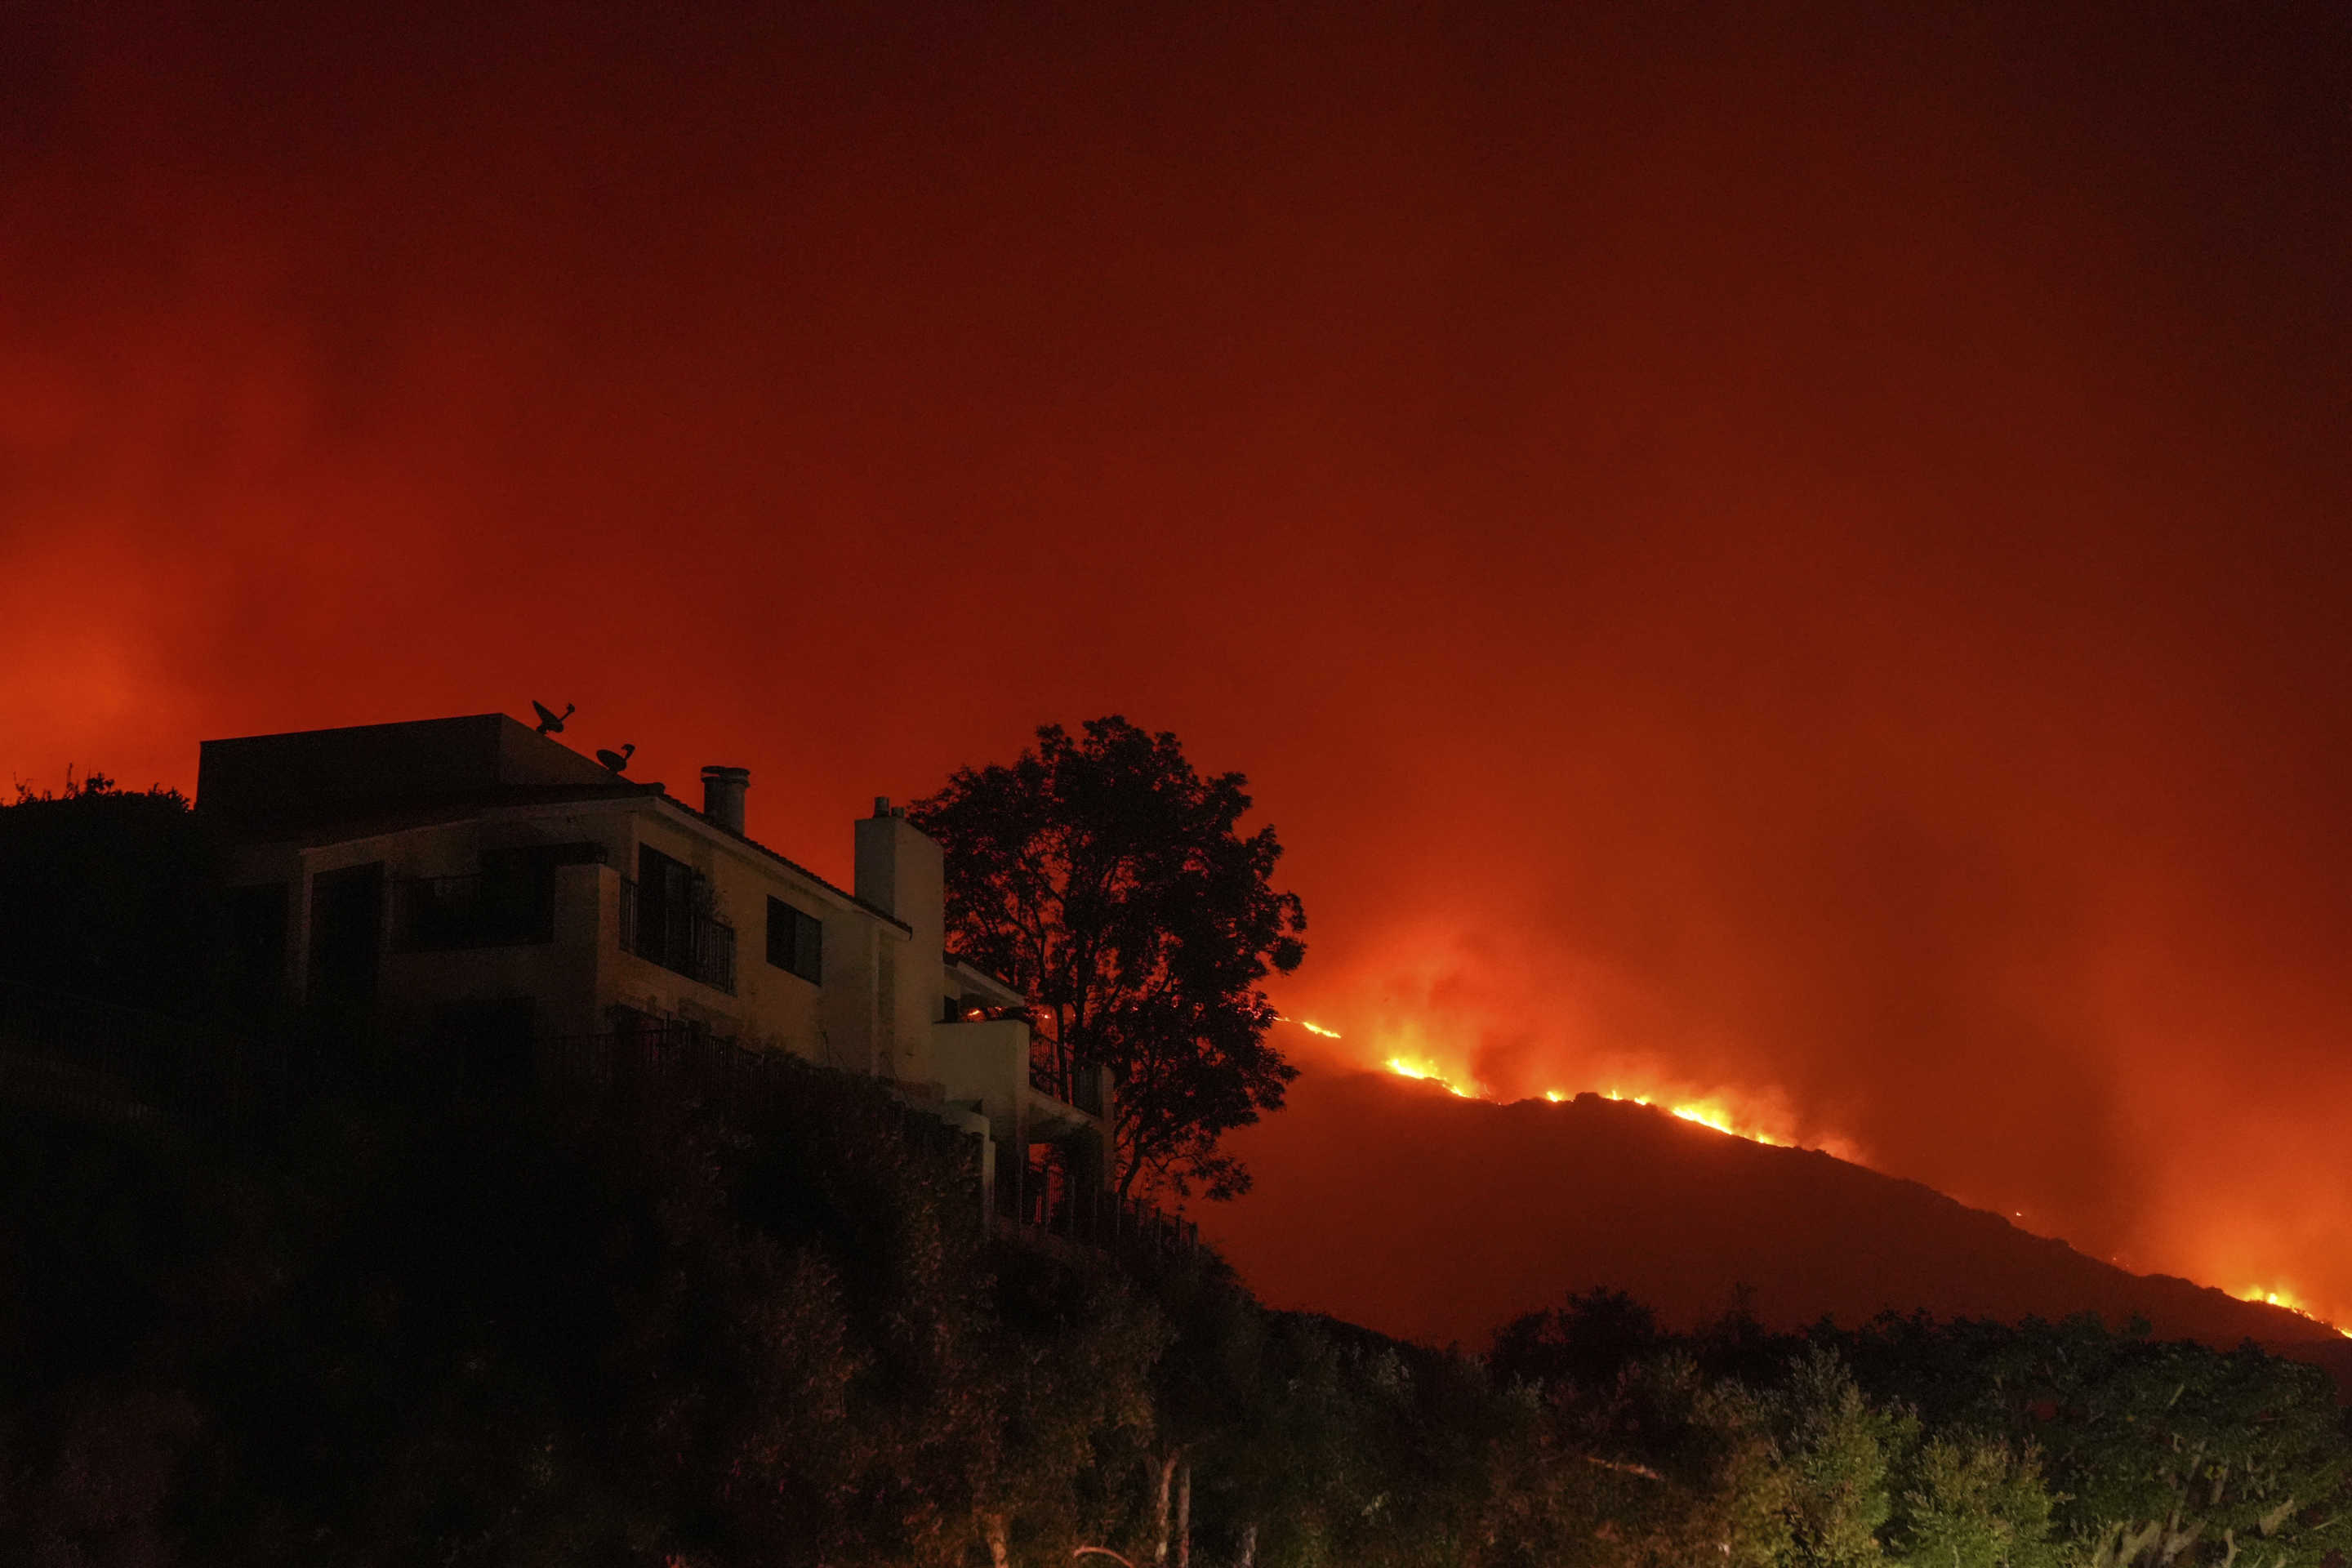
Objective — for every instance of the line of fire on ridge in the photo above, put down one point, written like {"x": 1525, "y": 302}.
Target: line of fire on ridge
{"x": 1714, "y": 1117}
{"x": 1708, "y": 1116}
{"x": 1703, "y": 1114}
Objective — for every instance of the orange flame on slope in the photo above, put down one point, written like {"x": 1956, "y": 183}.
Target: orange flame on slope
{"x": 1707, "y": 1117}
{"x": 1709, "y": 1113}
{"x": 2292, "y": 1302}
{"x": 1427, "y": 1072}
{"x": 1716, "y": 1114}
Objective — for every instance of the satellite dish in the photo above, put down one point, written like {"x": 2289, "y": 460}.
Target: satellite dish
{"x": 618, "y": 760}
{"x": 550, "y": 722}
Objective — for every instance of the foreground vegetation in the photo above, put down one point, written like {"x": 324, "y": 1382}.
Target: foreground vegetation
{"x": 405, "y": 1331}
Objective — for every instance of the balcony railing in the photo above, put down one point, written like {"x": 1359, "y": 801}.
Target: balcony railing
{"x": 1034, "y": 1200}
{"x": 443, "y": 914}
{"x": 93, "y": 1055}
{"x": 1079, "y": 1085}
{"x": 673, "y": 935}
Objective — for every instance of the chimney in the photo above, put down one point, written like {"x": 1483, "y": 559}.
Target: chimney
{"x": 722, "y": 796}
{"x": 899, "y": 871}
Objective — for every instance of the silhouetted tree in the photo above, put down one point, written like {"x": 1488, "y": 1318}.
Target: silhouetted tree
{"x": 109, "y": 893}
{"x": 1588, "y": 1342}
{"x": 1110, "y": 882}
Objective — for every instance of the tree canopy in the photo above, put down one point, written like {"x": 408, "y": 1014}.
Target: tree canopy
{"x": 1110, "y": 881}
{"x": 107, "y": 893}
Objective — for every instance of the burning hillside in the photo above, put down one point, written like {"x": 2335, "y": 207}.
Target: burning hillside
{"x": 1439, "y": 1216}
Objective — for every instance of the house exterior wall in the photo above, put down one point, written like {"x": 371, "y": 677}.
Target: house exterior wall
{"x": 986, "y": 1063}
{"x": 901, "y": 872}
{"x": 885, "y": 987}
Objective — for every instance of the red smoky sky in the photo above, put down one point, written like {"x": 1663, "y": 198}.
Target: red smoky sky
{"x": 1793, "y": 555}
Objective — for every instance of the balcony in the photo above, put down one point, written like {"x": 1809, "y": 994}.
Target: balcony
{"x": 668, "y": 931}
{"x": 1081, "y": 1086}
{"x": 447, "y": 914}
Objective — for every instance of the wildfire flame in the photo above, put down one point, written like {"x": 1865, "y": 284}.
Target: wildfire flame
{"x": 1707, "y": 1113}
{"x": 1710, "y": 1114}
{"x": 1318, "y": 1029}
{"x": 1428, "y": 1073}
{"x": 1718, "y": 1116}
{"x": 2292, "y": 1302}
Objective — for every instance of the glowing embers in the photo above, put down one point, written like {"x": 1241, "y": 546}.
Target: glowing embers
{"x": 2293, "y": 1303}
{"x": 1318, "y": 1029}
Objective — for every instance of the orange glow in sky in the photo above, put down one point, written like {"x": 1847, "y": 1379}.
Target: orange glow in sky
{"x": 1791, "y": 573}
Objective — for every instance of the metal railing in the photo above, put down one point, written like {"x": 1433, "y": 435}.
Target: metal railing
{"x": 93, "y": 1057}
{"x": 1086, "y": 1088}
{"x": 1030, "y": 1204}
{"x": 442, "y": 914}
{"x": 681, "y": 941}
{"x": 1079, "y": 1086}
{"x": 654, "y": 1058}
{"x": 671, "y": 1060}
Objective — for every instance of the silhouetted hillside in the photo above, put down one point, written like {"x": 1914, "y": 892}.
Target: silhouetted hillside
{"x": 1393, "y": 1204}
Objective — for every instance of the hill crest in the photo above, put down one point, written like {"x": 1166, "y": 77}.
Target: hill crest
{"x": 1435, "y": 1218}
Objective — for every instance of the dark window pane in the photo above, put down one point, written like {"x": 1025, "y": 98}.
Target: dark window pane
{"x": 346, "y": 924}
{"x": 257, "y": 944}
{"x": 809, "y": 949}
{"x": 795, "y": 940}
{"x": 664, "y": 908}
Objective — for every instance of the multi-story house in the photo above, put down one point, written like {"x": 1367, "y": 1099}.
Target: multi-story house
{"x": 471, "y": 886}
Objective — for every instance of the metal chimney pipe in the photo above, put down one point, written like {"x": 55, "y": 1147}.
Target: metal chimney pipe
{"x": 722, "y": 796}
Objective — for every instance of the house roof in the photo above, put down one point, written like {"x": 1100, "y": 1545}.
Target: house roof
{"x": 744, "y": 838}
{"x": 289, "y": 785}
{"x": 323, "y": 786}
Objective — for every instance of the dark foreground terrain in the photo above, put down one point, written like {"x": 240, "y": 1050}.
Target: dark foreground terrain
{"x": 413, "y": 1328}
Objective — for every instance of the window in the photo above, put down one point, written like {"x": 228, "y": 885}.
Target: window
{"x": 666, "y": 919}
{"x": 256, "y": 945}
{"x": 665, "y": 904}
{"x": 346, "y": 929}
{"x": 795, "y": 941}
